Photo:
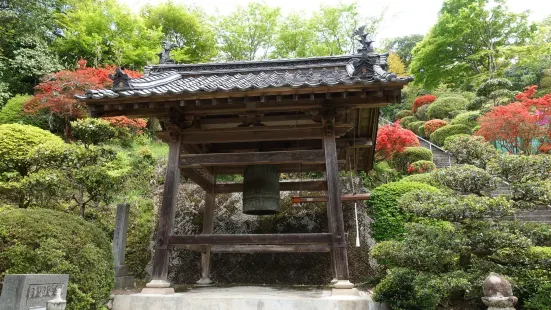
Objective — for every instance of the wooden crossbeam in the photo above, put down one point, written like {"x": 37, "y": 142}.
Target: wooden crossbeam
{"x": 204, "y": 239}
{"x": 284, "y": 168}
{"x": 268, "y": 133}
{"x": 199, "y": 178}
{"x": 271, "y": 146}
{"x": 347, "y": 197}
{"x": 262, "y": 248}
{"x": 251, "y": 158}
{"x": 307, "y": 186}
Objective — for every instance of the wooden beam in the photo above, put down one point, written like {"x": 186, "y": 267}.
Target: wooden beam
{"x": 347, "y": 197}
{"x": 298, "y": 248}
{"x": 285, "y": 168}
{"x": 334, "y": 208}
{"x": 322, "y": 238}
{"x": 260, "y": 134}
{"x": 271, "y": 146}
{"x": 166, "y": 212}
{"x": 253, "y": 158}
{"x": 198, "y": 178}
{"x": 307, "y": 186}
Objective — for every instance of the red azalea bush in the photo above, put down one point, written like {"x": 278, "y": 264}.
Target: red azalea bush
{"x": 516, "y": 125}
{"x": 432, "y": 125}
{"x": 421, "y": 101}
{"x": 55, "y": 94}
{"x": 134, "y": 125}
{"x": 393, "y": 138}
{"x": 421, "y": 166}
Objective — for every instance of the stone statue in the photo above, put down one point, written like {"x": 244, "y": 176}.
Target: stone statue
{"x": 164, "y": 56}
{"x": 364, "y": 41}
{"x": 498, "y": 293}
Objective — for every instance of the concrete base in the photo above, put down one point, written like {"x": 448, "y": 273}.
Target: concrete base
{"x": 248, "y": 298}
{"x": 204, "y": 282}
{"x": 124, "y": 282}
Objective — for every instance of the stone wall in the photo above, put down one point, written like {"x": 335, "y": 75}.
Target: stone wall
{"x": 287, "y": 268}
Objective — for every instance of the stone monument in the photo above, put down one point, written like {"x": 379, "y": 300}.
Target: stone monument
{"x": 498, "y": 293}
{"x": 31, "y": 291}
{"x": 122, "y": 280}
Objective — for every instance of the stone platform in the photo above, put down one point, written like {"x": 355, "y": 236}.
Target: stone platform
{"x": 247, "y": 298}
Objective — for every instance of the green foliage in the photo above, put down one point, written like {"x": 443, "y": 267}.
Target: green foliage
{"x": 414, "y": 126}
{"x": 472, "y": 150}
{"x": 466, "y": 179}
{"x": 92, "y": 130}
{"x": 381, "y": 174}
{"x": 487, "y": 88}
{"x": 405, "y": 121}
{"x": 16, "y": 142}
{"x": 477, "y": 103}
{"x": 422, "y": 111}
{"x": 520, "y": 168}
{"x": 13, "y": 113}
{"x": 402, "y": 160}
{"x": 426, "y": 178}
{"x": 439, "y": 136}
{"x": 421, "y": 130}
{"x": 468, "y": 119}
{"x": 459, "y": 53}
{"x": 404, "y": 113}
{"x": 532, "y": 194}
{"x": 46, "y": 241}
{"x": 444, "y": 106}
{"x": 402, "y": 46}
{"x": 388, "y": 218}
{"x": 295, "y": 38}
{"x": 188, "y": 28}
{"x": 540, "y": 300}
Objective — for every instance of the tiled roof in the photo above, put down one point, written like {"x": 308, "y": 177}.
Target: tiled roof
{"x": 243, "y": 76}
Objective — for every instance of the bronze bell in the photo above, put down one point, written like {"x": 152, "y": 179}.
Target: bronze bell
{"x": 261, "y": 190}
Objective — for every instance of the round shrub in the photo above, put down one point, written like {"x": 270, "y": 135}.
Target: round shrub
{"x": 493, "y": 85}
{"x": 426, "y": 178}
{"x": 403, "y": 113}
{"x": 466, "y": 179}
{"x": 415, "y": 125}
{"x": 421, "y": 166}
{"x": 12, "y": 112}
{"x": 472, "y": 150}
{"x": 452, "y": 139}
{"x": 92, "y": 130}
{"x": 477, "y": 103}
{"x": 442, "y": 107}
{"x": 439, "y": 136}
{"x": 407, "y": 120}
{"x": 422, "y": 113}
{"x": 388, "y": 219}
{"x": 468, "y": 119}
{"x": 17, "y": 141}
{"x": 402, "y": 160}
{"x": 47, "y": 241}
{"x": 421, "y": 101}
{"x": 421, "y": 130}
{"x": 432, "y": 125}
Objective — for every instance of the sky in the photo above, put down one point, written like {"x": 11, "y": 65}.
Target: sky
{"x": 403, "y": 17}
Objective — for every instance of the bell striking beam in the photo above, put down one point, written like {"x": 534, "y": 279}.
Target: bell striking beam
{"x": 252, "y": 158}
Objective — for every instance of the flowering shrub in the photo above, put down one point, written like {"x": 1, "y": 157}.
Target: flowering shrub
{"x": 432, "y": 125}
{"x": 133, "y": 125}
{"x": 421, "y": 166}
{"x": 393, "y": 138}
{"x": 421, "y": 101}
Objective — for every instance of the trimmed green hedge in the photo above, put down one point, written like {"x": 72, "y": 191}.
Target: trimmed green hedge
{"x": 407, "y": 120}
{"x": 421, "y": 166}
{"x": 421, "y": 130}
{"x": 403, "y": 113}
{"x": 47, "y": 241}
{"x": 422, "y": 112}
{"x": 442, "y": 107}
{"x": 439, "y": 136}
{"x": 468, "y": 119}
{"x": 388, "y": 219}
{"x": 414, "y": 126}
{"x": 401, "y": 161}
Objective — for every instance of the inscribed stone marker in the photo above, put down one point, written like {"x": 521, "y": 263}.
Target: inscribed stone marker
{"x": 31, "y": 291}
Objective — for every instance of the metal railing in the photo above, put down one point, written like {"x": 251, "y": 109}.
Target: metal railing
{"x": 431, "y": 145}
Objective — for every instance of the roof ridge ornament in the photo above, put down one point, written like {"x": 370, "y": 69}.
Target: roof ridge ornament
{"x": 364, "y": 40}
{"x": 121, "y": 80}
{"x": 164, "y": 55}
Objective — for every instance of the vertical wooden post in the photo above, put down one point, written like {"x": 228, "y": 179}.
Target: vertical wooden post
{"x": 208, "y": 223}
{"x": 334, "y": 212}
{"x": 166, "y": 216}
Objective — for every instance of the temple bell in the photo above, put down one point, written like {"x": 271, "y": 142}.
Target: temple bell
{"x": 261, "y": 190}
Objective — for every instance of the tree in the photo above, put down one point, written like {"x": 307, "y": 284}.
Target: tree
{"x": 248, "y": 33}
{"x": 468, "y": 43}
{"x": 56, "y": 94}
{"x": 402, "y": 46}
{"x": 395, "y": 64}
{"x": 392, "y": 139}
{"x": 295, "y": 38}
{"x": 189, "y": 29}
{"x": 105, "y": 32}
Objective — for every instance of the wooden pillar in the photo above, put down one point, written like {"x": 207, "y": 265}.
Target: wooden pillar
{"x": 334, "y": 212}
{"x": 208, "y": 223}
{"x": 166, "y": 217}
